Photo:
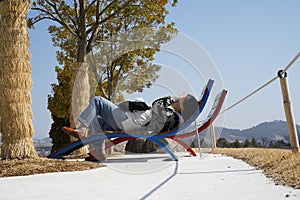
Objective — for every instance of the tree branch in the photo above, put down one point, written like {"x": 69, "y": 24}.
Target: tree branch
{"x": 95, "y": 32}
{"x": 109, "y": 5}
{"x": 76, "y": 13}
{"x": 96, "y": 24}
{"x": 71, "y": 19}
{"x": 60, "y": 18}
{"x": 100, "y": 83}
{"x": 42, "y": 18}
{"x": 91, "y": 4}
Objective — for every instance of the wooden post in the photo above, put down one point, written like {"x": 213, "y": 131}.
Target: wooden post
{"x": 199, "y": 142}
{"x": 213, "y": 137}
{"x": 289, "y": 112}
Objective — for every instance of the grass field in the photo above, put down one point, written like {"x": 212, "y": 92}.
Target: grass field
{"x": 281, "y": 165}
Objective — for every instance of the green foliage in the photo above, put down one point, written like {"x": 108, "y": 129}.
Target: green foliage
{"x": 223, "y": 143}
{"x": 59, "y": 106}
{"x": 59, "y": 138}
{"x": 255, "y": 143}
{"x": 124, "y": 62}
{"x": 59, "y": 101}
{"x": 236, "y": 144}
{"x": 80, "y": 25}
{"x": 90, "y": 21}
{"x": 279, "y": 144}
{"x": 247, "y": 143}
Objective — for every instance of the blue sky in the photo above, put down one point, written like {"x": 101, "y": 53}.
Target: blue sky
{"x": 248, "y": 41}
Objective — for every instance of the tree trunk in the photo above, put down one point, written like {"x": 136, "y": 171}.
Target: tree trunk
{"x": 81, "y": 88}
{"x": 80, "y": 96}
{"x": 15, "y": 81}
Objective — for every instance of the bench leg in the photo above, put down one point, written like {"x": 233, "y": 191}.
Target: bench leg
{"x": 165, "y": 147}
{"x": 185, "y": 146}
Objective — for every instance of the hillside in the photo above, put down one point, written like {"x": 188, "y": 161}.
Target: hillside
{"x": 275, "y": 130}
{"x": 271, "y": 131}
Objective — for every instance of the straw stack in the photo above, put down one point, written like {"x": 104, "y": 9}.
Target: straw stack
{"x": 15, "y": 81}
{"x": 80, "y": 96}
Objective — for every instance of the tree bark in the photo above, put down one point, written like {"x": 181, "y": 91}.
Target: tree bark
{"x": 15, "y": 81}
{"x": 80, "y": 96}
{"x": 81, "y": 88}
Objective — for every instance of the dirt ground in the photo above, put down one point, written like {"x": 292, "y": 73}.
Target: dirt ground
{"x": 41, "y": 166}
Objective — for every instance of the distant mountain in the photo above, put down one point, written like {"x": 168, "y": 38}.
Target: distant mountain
{"x": 42, "y": 142}
{"x": 275, "y": 130}
{"x": 45, "y": 142}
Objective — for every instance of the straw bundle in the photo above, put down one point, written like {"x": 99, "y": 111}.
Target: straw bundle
{"x": 15, "y": 81}
{"x": 13, "y": 64}
{"x": 80, "y": 90}
{"x": 15, "y": 95}
{"x": 80, "y": 95}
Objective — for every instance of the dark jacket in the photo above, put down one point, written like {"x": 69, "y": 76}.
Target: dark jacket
{"x": 161, "y": 111}
{"x": 163, "y": 118}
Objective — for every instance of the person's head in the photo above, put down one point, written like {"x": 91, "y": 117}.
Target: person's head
{"x": 187, "y": 106}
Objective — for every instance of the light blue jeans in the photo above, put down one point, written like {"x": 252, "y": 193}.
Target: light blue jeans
{"x": 102, "y": 115}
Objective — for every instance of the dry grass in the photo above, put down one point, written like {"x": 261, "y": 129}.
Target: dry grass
{"x": 41, "y": 166}
{"x": 280, "y": 165}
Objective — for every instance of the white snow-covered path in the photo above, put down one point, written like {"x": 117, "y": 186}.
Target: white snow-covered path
{"x": 152, "y": 176}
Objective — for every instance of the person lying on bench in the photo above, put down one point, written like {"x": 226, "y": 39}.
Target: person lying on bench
{"x": 102, "y": 115}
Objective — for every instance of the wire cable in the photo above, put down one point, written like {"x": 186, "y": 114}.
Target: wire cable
{"x": 249, "y": 95}
{"x": 264, "y": 85}
{"x": 291, "y": 63}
